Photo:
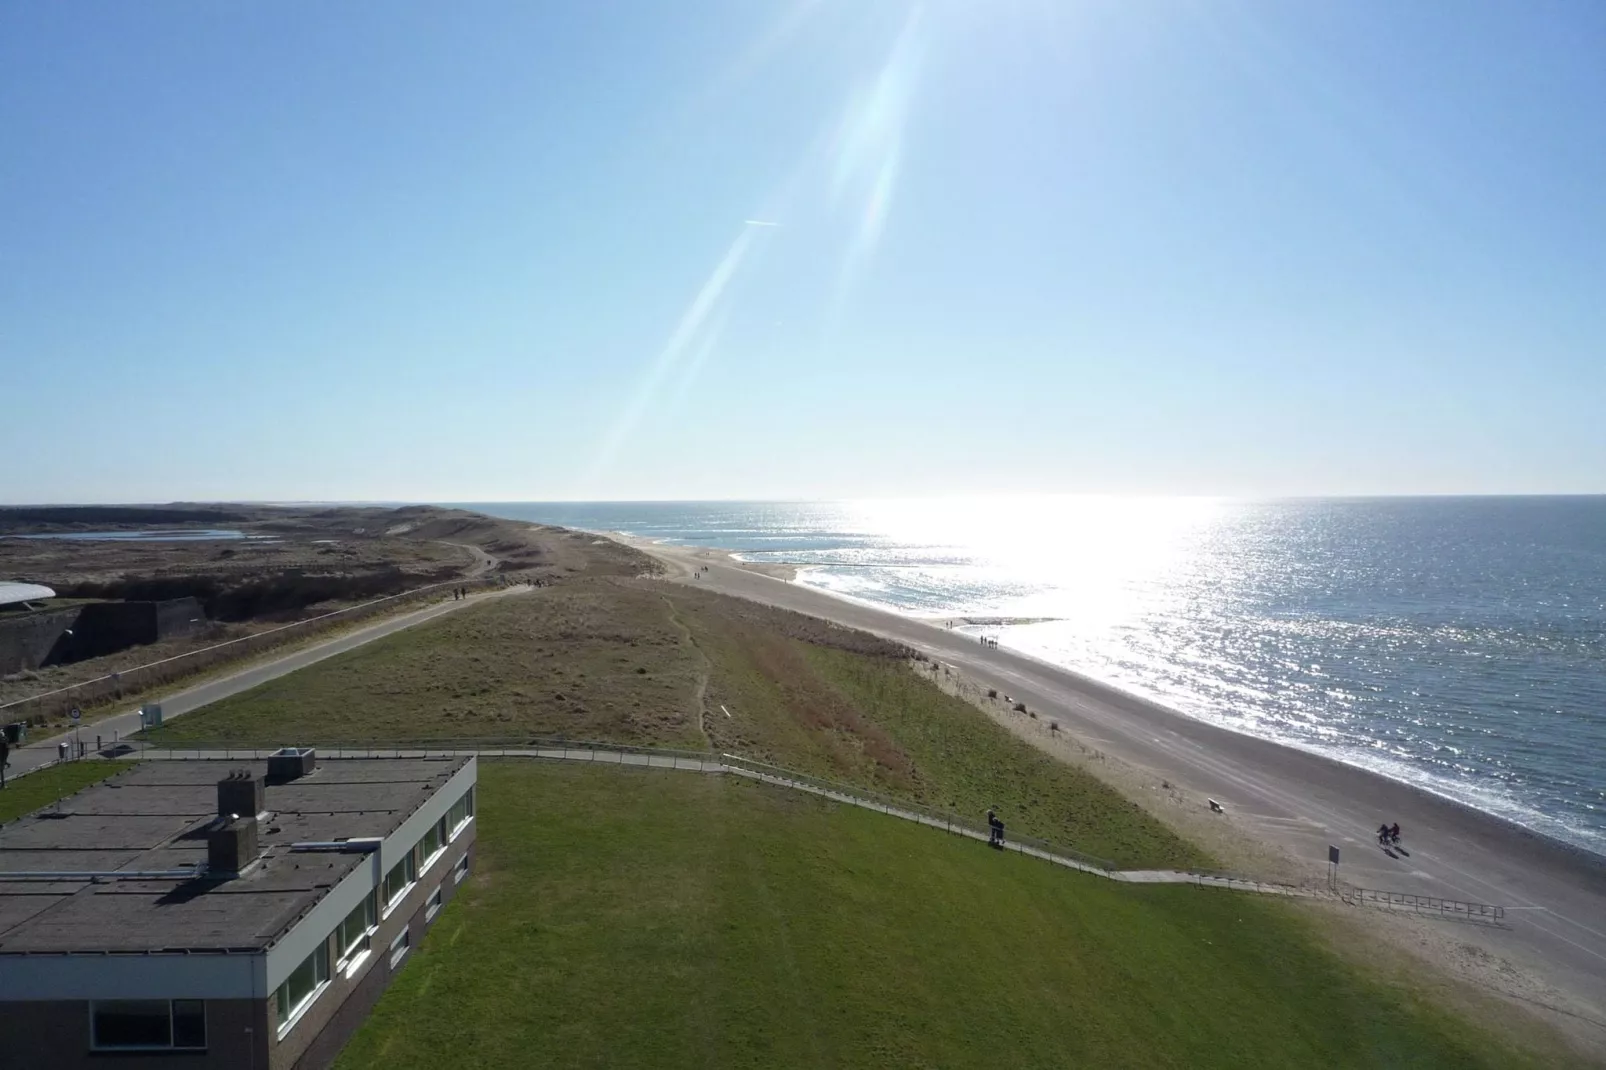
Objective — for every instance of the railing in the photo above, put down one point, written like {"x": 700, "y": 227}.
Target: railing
{"x": 510, "y": 747}
{"x": 924, "y": 815}
{"x": 618, "y": 754}
{"x": 1457, "y": 909}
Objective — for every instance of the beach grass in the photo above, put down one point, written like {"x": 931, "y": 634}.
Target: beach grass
{"x": 627, "y": 663}
{"x": 25, "y": 794}
{"x": 629, "y": 918}
{"x": 590, "y": 660}
{"x": 965, "y": 763}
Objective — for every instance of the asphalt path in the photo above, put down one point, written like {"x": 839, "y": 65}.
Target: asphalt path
{"x": 1555, "y": 895}
{"x": 33, "y": 755}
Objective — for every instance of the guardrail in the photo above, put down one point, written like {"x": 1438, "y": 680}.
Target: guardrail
{"x": 1459, "y": 910}
{"x": 924, "y": 815}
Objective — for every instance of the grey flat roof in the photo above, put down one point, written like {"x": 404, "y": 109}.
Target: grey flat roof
{"x": 154, "y": 816}
{"x": 12, "y": 593}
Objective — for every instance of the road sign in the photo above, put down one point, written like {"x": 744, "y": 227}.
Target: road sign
{"x": 75, "y": 713}
{"x": 1332, "y": 855}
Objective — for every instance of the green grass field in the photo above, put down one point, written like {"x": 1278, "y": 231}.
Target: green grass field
{"x": 25, "y": 794}
{"x": 639, "y": 919}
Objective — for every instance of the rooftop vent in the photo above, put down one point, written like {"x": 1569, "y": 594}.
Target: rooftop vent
{"x": 290, "y": 763}
{"x": 240, "y": 792}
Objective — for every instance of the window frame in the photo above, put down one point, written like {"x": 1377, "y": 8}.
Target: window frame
{"x": 95, "y": 1044}
{"x": 353, "y": 953}
{"x": 460, "y": 871}
{"x": 428, "y": 858}
{"x": 400, "y": 945}
{"x": 410, "y": 862}
{"x": 458, "y": 824}
{"x": 289, "y": 1016}
{"x": 433, "y": 904}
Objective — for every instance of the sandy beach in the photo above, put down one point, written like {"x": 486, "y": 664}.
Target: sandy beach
{"x": 1284, "y": 808}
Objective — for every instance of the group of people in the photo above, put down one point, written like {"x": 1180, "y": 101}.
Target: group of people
{"x": 995, "y": 830}
{"x": 1388, "y": 834}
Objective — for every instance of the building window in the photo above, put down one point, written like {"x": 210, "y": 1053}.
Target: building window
{"x": 462, "y": 870}
{"x": 431, "y": 846}
{"x": 398, "y": 880}
{"x": 146, "y": 1024}
{"x": 353, "y": 935}
{"x": 433, "y": 906}
{"x": 399, "y": 946}
{"x": 458, "y": 815}
{"x": 302, "y": 987}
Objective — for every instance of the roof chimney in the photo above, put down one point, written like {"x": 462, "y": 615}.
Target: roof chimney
{"x": 241, "y": 792}
{"x": 231, "y": 847}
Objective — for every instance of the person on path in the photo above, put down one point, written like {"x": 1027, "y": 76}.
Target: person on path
{"x": 5, "y": 757}
{"x": 992, "y": 828}
{"x": 998, "y": 829}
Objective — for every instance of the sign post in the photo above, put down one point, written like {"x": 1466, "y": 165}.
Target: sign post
{"x": 1332, "y": 868}
{"x": 76, "y": 714}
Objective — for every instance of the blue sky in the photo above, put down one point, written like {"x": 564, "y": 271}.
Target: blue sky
{"x": 499, "y": 251}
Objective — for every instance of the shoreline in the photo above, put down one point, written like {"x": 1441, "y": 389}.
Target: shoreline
{"x": 792, "y": 573}
{"x": 1284, "y": 800}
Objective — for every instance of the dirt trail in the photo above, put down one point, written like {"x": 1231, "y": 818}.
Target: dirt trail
{"x": 699, "y": 697}
{"x": 480, "y": 562}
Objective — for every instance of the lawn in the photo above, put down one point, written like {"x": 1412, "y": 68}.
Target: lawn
{"x": 25, "y": 794}
{"x": 627, "y": 918}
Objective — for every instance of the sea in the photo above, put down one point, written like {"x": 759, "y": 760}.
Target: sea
{"x": 1458, "y": 644}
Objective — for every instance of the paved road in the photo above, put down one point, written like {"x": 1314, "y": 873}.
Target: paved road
{"x": 35, "y": 754}
{"x": 1556, "y": 896}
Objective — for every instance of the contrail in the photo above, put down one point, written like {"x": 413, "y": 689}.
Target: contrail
{"x": 760, "y": 223}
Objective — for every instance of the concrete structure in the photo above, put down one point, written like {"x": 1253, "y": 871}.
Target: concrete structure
{"x": 222, "y": 914}
{"x": 54, "y": 636}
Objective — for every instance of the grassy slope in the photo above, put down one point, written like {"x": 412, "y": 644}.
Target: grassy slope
{"x": 966, "y": 763}
{"x": 639, "y": 919}
{"x": 855, "y": 716}
{"x": 800, "y": 693}
{"x": 26, "y": 794}
{"x": 563, "y": 661}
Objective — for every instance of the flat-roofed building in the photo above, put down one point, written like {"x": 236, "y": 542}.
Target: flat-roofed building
{"x": 14, "y": 594}
{"x": 216, "y": 913}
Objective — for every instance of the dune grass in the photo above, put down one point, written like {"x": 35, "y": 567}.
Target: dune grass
{"x": 639, "y": 919}
{"x": 625, "y": 663}
{"x": 589, "y": 660}
{"x": 25, "y": 794}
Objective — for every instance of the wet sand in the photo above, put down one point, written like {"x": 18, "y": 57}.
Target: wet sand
{"x": 1551, "y": 952}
